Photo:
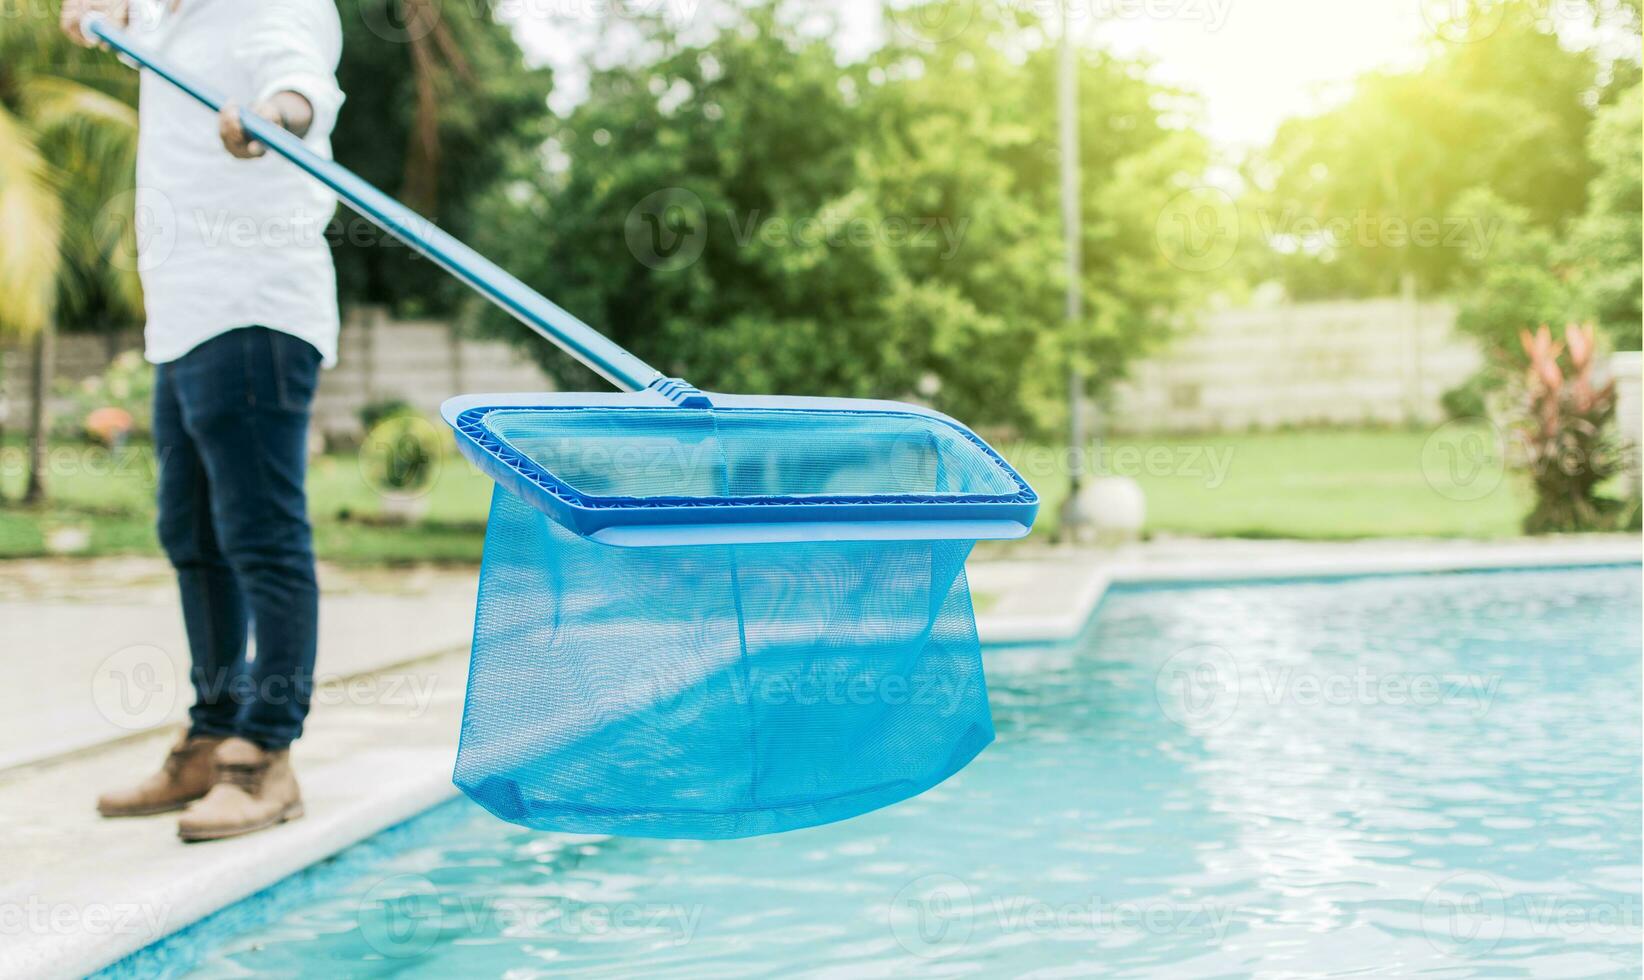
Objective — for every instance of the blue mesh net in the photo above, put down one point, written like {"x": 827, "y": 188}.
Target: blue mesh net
{"x": 677, "y": 452}
{"x": 727, "y": 690}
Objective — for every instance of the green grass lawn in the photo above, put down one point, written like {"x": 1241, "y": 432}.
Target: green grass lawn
{"x": 112, "y": 495}
{"x": 1319, "y": 484}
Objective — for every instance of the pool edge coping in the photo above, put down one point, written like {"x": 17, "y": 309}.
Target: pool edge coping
{"x": 1328, "y": 563}
{"x": 238, "y": 875}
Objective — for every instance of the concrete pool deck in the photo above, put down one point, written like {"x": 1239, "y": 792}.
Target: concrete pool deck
{"x": 91, "y": 703}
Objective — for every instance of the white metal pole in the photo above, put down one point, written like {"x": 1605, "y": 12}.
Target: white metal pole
{"x": 1068, "y": 110}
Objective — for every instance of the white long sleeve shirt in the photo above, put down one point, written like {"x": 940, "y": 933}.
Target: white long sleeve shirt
{"x": 224, "y": 243}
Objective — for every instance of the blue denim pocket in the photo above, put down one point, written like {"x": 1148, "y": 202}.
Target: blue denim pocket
{"x": 295, "y": 366}
{"x": 218, "y": 377}
{"x": 247, "y": 369}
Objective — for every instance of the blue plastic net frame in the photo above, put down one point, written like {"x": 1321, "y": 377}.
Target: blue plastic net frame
{"x": 1006, "y": 512}
{"x": 713, "y": 672}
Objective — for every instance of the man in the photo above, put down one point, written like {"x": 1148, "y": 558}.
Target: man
{"x": 241, "y": 302}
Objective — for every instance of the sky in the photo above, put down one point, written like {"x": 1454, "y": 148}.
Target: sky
{"x": 1253, "y": 62}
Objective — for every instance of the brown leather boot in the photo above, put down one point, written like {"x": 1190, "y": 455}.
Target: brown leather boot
{"x": 255, "y": 789}
{"x": 187, "y": 775}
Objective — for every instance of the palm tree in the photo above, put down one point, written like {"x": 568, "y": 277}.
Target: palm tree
{"x": 435, "y": 57}
{"x": 67, "y": 151}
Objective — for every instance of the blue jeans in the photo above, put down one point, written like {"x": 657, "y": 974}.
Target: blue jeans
{"x": 231, "y": 437}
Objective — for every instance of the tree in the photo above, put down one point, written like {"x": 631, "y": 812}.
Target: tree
{"x": 1384, "y": 172}
{"x": 67, "y": 149}
{"x": 753, "y": 215}
{"x": 972, "y": 118}
{"x": 438, "y": 99}
{"x": 1604, "y": 245}
{"x": 1521, "y": 281}
{"x": 1532, "y": 275}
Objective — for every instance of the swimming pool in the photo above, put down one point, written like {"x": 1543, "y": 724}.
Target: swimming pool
{"x": 1382, "y": 775}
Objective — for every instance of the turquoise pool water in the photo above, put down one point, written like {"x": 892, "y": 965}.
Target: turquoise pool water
{"x": 1435, "y": 774}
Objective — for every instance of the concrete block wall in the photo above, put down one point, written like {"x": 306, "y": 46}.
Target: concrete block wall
{"x": 422, "y": 362}
{"x": 79, "y": 355}
{"x": 1627, "y": 368}
{"x": 1342, "y": 363}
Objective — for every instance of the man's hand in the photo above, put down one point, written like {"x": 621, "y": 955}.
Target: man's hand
{"x": 288, "y": 110}
{"x": 233, "y": 134}
{"x": 75, "y": 10}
